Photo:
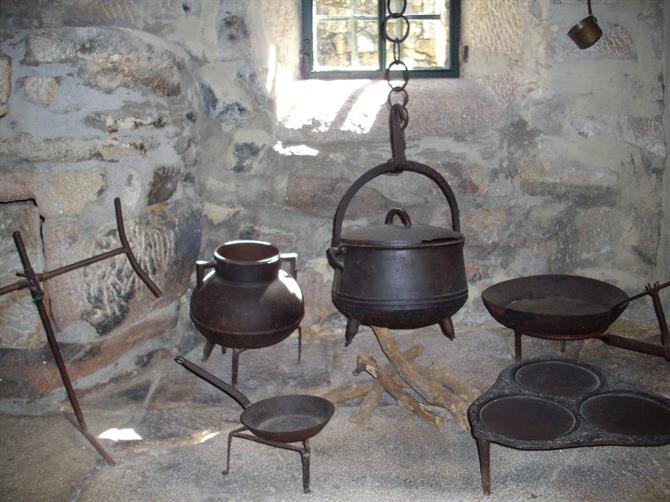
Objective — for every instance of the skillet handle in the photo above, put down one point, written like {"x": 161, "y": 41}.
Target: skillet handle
{"x": 241, "y": 399}
{"x": 389, "y": 168}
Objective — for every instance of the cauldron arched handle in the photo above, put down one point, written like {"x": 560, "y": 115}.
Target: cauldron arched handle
{"x": 388, "y": 168}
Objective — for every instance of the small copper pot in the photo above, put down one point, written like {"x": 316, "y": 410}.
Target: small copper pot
{"x": 586, "y": 32}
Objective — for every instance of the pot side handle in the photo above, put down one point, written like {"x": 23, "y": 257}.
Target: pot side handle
{"x": 332, "y": 255}
{"x": 292, "y": 260}
{"x": 200, "y": 267}
{"x": 389, "y": 168}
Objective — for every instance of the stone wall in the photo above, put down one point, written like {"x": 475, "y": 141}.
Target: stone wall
{"x": 90, "y": 113}
{"x": 193, "y": 113}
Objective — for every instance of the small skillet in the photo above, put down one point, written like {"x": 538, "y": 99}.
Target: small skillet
{"x": 275, "y": 420}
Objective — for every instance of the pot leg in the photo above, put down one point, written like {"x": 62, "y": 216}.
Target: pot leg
{"x": 207, "y": 351}
{"x": 352, "y": 329}
{"x": 236, "y": 364}
{"x": 517, "y": 346}
{"x": 304, "y": 458}
{"x": 299, "y": 344}
{"x": 231, "y": 435}
{"x": 447, "y": 328}
{"x": 484, "y": 449}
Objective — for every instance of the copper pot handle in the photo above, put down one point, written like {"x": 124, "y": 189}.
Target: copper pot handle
{"x": 389, "y": 168}
{"x": 200, "y": 267}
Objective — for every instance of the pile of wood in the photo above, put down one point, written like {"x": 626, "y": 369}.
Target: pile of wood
{"x": 433, "y": 386}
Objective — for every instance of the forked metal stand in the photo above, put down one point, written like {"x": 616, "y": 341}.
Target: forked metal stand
{"x": 304, "y": 452}
{"x": 31, "y": 280}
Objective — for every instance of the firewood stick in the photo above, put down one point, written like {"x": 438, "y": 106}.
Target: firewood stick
{"x": 348, "y": 392}
{"x": 452, "y": 382}
{"x": 355, "y": 390}
{"x": 431, "y": 390}
{"x": 367, "y": 363}
{"x": 370, "y": 402}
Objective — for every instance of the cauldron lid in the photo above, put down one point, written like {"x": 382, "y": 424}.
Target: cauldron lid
{"x": 391, "y": 235}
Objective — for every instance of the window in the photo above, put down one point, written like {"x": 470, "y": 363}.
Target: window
{"x": 345, "y": 39}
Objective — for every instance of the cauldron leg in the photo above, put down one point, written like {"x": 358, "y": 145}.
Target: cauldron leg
{"x": 447, "y": 328}
{"x": 207, "y": 351}
{"x": 484, "y": 448}
{"x": 231, "y": 435}
{"x": 352, "y": 329}
{"x": 304, "y": 458}
{"x": 517, "y": 346}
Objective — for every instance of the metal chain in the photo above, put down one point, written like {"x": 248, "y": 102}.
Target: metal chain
{"x": 398, "y": 97}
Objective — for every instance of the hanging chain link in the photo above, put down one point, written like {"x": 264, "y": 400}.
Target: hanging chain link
{"x": 398, "y": 97}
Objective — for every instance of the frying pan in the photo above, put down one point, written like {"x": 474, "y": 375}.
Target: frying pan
{"x": 282, "y": 419}
{"x": 567, "y": 306}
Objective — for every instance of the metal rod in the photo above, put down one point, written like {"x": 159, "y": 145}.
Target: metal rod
{"x": 96, "y": 444}
{"x": 23, "y": 284}
{"x": 518, "y": 356}
{"x": 635, "y": 345}
{"x": 38, "y": 298}
{"x": 129, "y": 252}
{"x": 124, "y": 249}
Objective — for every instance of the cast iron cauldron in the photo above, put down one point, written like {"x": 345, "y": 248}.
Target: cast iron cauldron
{"x": 398, "y": 276}
{"x": 248, "y": 301}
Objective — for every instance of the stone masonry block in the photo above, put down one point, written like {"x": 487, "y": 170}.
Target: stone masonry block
{"x": 19, "y": 322}
{"x": 40, "y": 90}
{"x": 5, "y": 83}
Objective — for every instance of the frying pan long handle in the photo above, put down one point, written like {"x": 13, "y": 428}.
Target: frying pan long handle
{"x": 241, "y": 399}
{"x": 649, "y": 290}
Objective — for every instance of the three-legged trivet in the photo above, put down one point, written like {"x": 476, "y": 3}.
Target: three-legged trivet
{"x": 547, "y": 404}
{"x": 304, "y": 452}
{"x": 32, "y": 281}
{"x": 275, "y": 421}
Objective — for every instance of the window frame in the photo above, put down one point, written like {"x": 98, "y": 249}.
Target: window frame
{"x": 306, "y": 52}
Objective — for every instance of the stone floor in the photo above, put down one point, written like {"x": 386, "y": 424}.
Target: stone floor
{"x": 183, "y": 422}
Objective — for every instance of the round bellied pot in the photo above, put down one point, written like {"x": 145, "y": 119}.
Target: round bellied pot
{"x": 398, "y": 276}
{"x": 248, "y": 301}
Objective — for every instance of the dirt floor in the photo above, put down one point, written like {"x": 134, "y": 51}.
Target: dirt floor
{"x": 176, "y": 428}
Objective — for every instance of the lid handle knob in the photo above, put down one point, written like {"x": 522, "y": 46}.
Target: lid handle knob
{"x": 400, "y": 213}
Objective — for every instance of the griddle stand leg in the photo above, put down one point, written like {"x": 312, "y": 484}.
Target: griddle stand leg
{"x": 304, "y": 452}
{"x": 517, "y": 346}
{"x": 484, "y": 449}
{"x": 304, "y": 459}
{"x": 231, "y": 435}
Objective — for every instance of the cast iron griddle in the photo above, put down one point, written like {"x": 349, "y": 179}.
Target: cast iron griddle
{"x": 558, "y": 378}
{"x": 546, "y": 404}
{"x": 527, "y": 418}
{"x": 566, "y": 306}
